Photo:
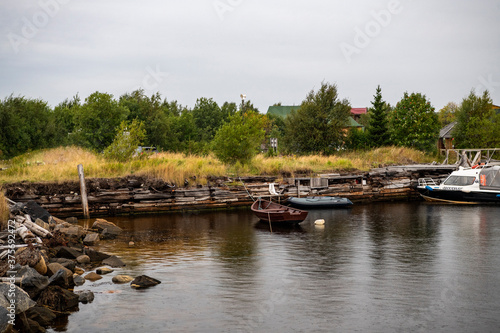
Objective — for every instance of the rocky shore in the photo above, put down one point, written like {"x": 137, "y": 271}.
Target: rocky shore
{"x": 43, "y": 259}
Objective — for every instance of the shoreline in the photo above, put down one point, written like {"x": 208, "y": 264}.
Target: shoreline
{"x": 139, "y": 195}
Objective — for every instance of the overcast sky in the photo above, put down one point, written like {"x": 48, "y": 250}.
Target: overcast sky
{"x": 272, "y": 51}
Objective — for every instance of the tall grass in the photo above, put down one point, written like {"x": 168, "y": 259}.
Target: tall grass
{"x": 60, "y": 164}
{"x": 4, "y": 210}
{"x": 176, "y": 167}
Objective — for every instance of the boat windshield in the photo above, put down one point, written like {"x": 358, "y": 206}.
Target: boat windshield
{"x": 459, "y": 180}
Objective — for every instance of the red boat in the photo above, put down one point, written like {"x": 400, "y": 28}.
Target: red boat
{"x": 274, "y": 212}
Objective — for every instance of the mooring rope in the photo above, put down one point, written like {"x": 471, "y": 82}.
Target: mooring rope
{"x": 247, "y": 190}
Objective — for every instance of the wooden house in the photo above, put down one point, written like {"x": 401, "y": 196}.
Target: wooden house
{"x": 446, "y": 139}
{"x": 356, "y": 113}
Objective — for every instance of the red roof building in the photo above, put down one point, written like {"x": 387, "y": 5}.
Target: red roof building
{"x": 357, "y": 112}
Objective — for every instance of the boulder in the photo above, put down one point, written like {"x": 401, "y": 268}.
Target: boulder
{"x": 41, "y": 315}
{"x": 73, "y": 231}
{"x": 33, "y": 210}
{"x": 91, "y": 239}
{"x": 58, "y": 299}
{"x": 22, "y": 299}
{"x": 26, "y": 325}
{"x": 109, "y": 234}
{"x": 83, "y": 259}
{"x": 53, "y": 267}
{"x": 113, "y": 261}
{"x": 60, "y": 278}
{"x": 79, "y": 280}
{"x": 103, "y": 270}
{"x": 4, "y": 319}
{"x": 107, "y": 229}
{"x": 96, "y": 255}
{"x": 93, "y": 276}
{"x": 67, "y": 263}
{"x": 63, "y": 279}
{"x": 85, "y": 296}
{"x": 122, "y": 279}
{"x": 68, "y": 252}
{"x": 72, "y": 220}
{"x": 32, "y": 281}
{"x": 144, "y": 281}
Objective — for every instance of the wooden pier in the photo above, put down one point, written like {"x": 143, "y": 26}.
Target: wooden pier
{"x": 133, "y": 195}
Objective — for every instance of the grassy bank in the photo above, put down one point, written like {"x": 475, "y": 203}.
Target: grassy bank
{"x": 60, "y": 164}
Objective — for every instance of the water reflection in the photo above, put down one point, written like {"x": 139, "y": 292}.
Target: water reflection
{"x": 378, "y": 268}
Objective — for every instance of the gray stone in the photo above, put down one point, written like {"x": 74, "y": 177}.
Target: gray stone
{"x": 72, "y": 220}
{"x": 75, "y": 231}
{"x": 107, "y": 229}
{"x": 60, "y": 278}
{"x": 96, "y": 255}
{"x": 63, "y": 279}
{"x": 53, "y": 267}
{"x": 83, "y": 259}
{"x": 79, "y": 280}
{"x": 4, "y": 319}
{"x": 32, "y": 281}
{"x": 68, "y": 263}
{"x": 85, "y": 296}
{"x": 91, "y": 239}
{"x": 21, "y": 298}
{"x": 68, "y": 252}
{"x": 113, "y": 261}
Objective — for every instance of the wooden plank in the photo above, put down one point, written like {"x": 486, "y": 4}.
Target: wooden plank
{"x": 83, "y": 192}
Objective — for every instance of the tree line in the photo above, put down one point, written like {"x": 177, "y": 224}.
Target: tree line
{"x": 235, "y": 132}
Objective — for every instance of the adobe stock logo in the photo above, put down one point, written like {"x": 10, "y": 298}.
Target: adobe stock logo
{"x": 39, "y": 20}
{"x": 363, "y": 37}
{"x": 487, "y": 84}
{"x": 223, "y": 6}
{"x": 152, "y": 80}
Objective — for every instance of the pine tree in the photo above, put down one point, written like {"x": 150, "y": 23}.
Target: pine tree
{"x": 378, "y": 132}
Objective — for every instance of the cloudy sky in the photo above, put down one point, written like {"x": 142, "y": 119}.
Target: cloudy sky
{"x": 272, "y": 51}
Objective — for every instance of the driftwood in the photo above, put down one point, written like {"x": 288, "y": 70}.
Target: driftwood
{"x": 25, "y": 234}
{"x": 35, "y": 228}
{"x": 17, "y": 280}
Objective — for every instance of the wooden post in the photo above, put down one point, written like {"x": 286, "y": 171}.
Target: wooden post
{"x": 83, "y": 192}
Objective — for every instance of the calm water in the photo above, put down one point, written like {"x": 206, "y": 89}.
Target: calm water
{"x": 372, "y": 268}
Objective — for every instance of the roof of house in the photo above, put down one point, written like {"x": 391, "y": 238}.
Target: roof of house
{"x": 359, "y": 111}
{"x": 446, "y": 132}
{"x": 353, "y": 123}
